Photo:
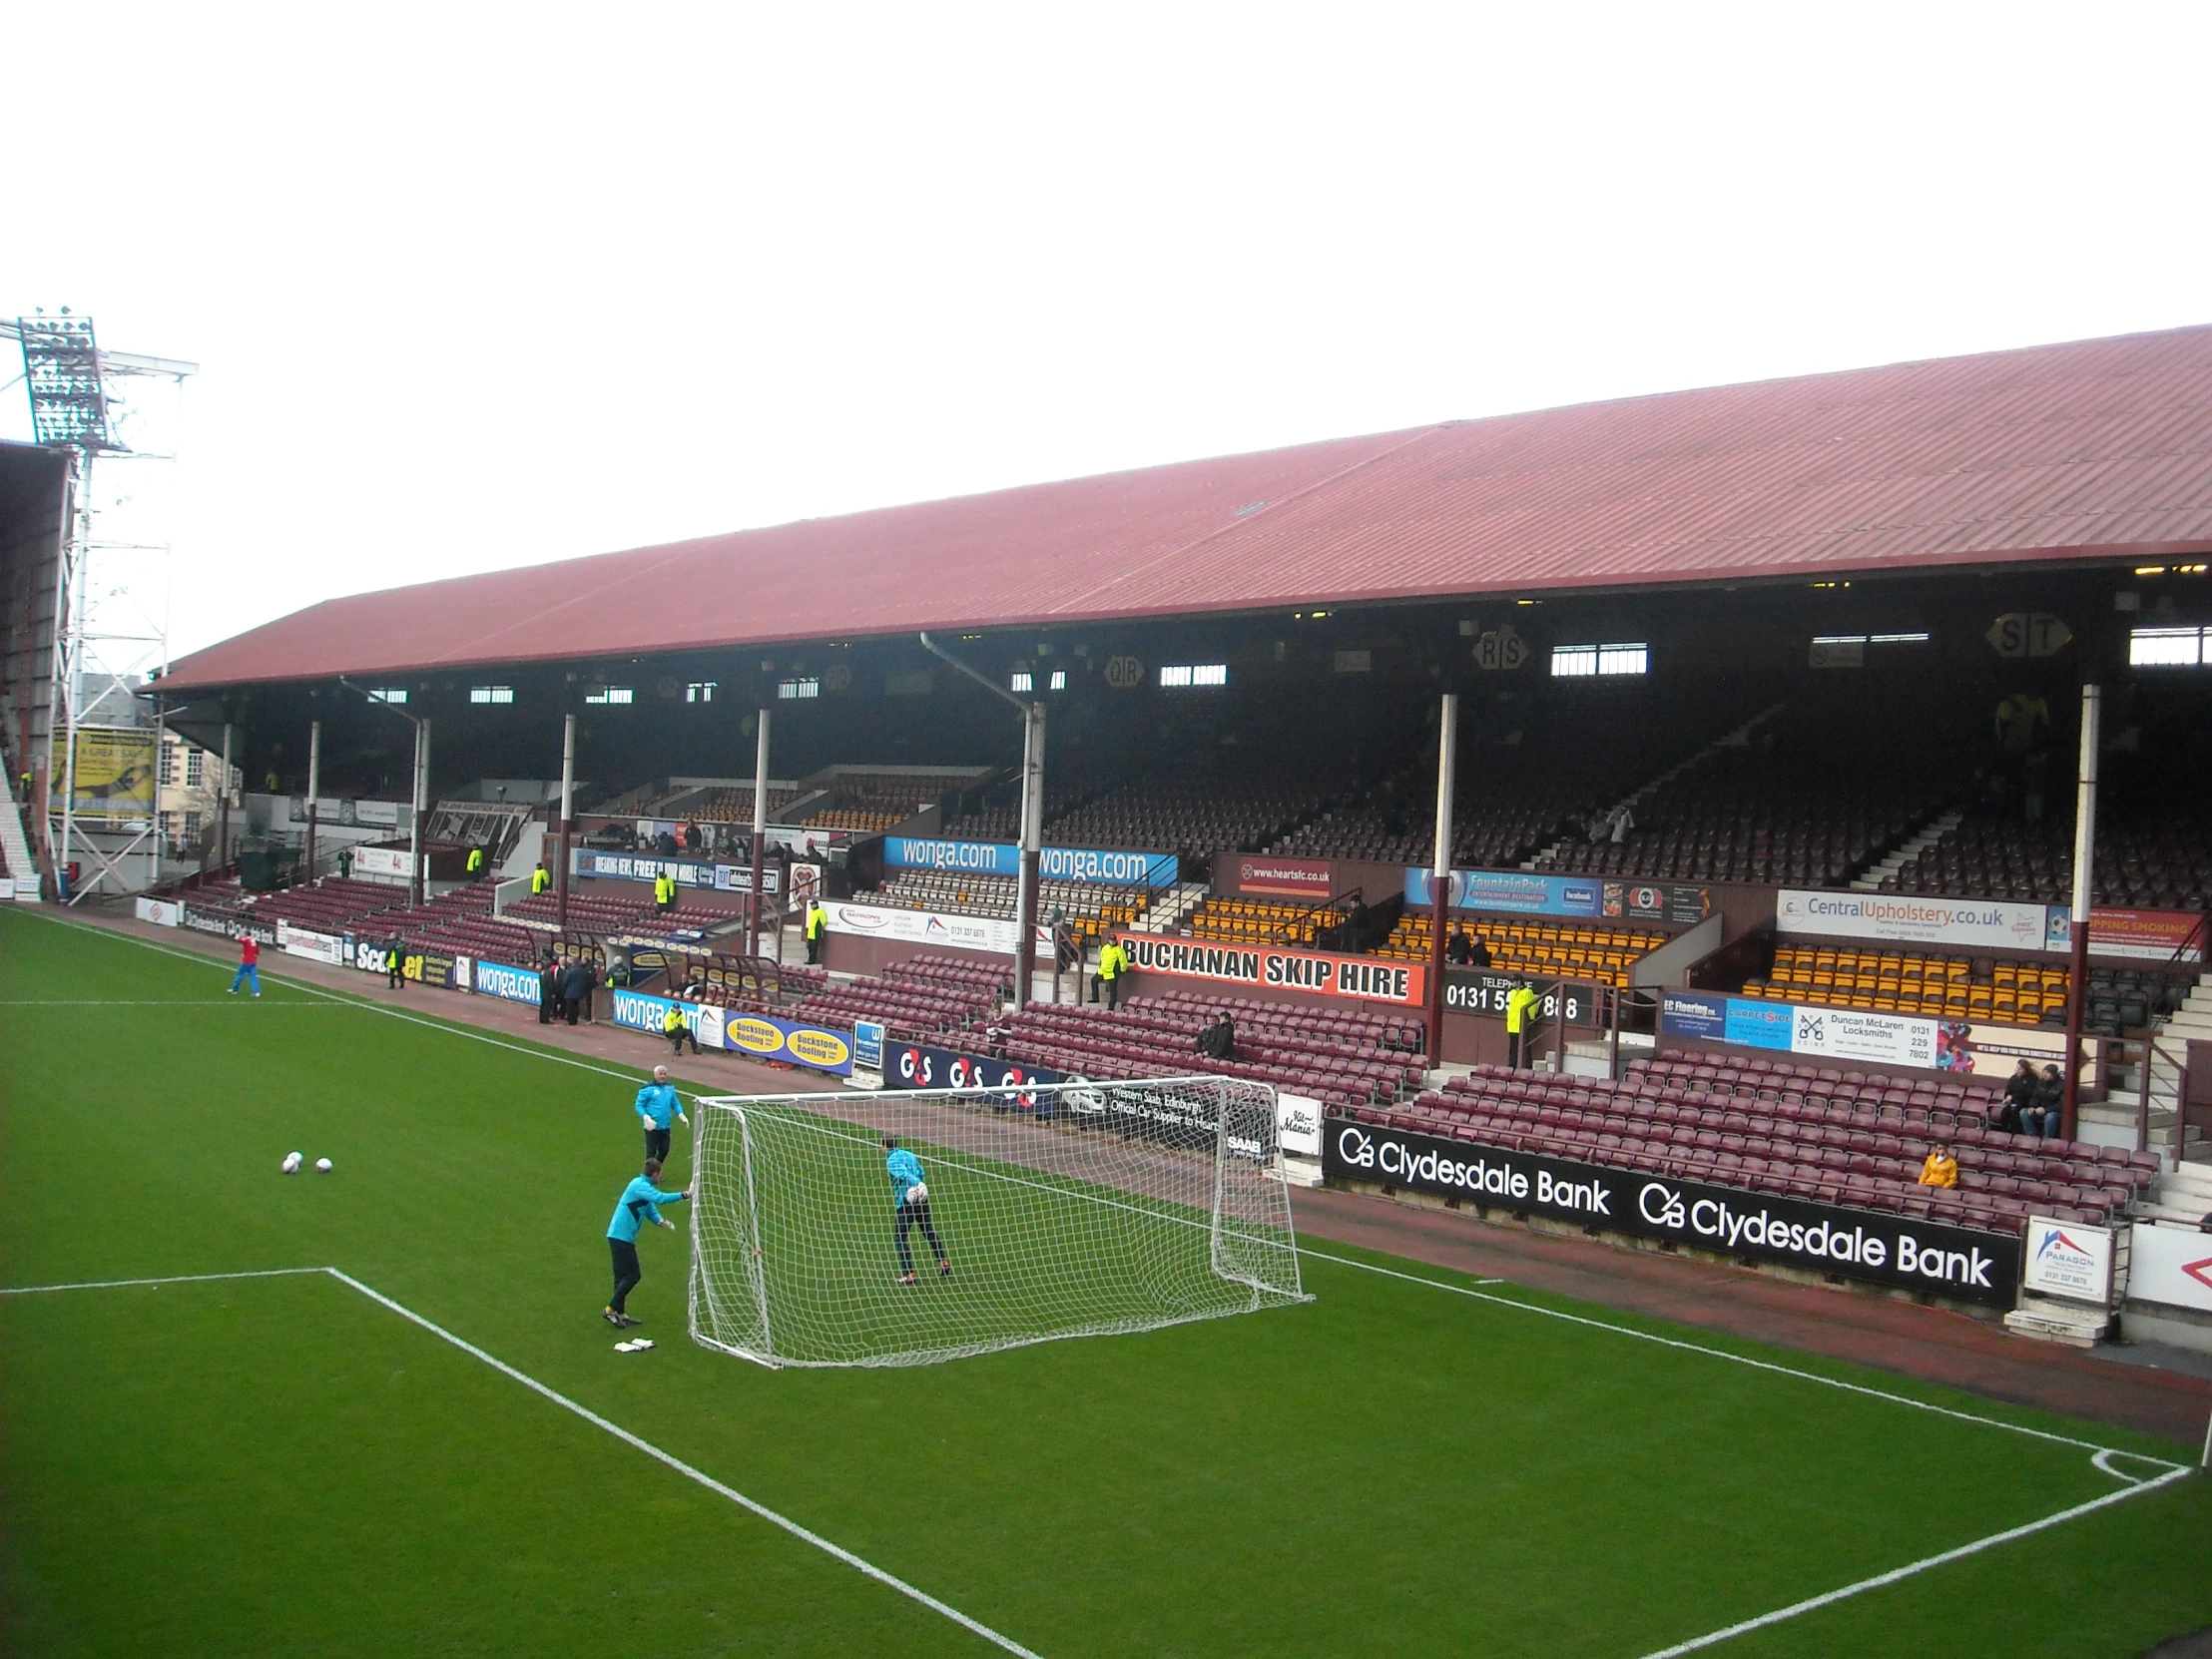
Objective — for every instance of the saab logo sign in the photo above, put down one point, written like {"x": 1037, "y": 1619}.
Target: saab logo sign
{"x": 2069, "y": 1260}
{"x": 1881, "y": 1249}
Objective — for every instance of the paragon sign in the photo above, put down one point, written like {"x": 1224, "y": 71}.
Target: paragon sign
{"x": 1894, "y": 1251}
{"x": 1363, "y": 978}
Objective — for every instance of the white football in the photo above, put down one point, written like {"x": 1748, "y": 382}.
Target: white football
{"x": 291, "y": 1163}
{"x": 323, "y": 1163}
{"x": 919, "y": 1193}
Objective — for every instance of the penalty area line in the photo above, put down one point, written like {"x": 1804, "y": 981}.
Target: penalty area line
{"x": 636, "y": 1443}
{"x": 345, "y": 999}
{"x": 1927, "y": 1563}
{"x": 170, "y": 1279}
{"x": 1744, "y": 1359}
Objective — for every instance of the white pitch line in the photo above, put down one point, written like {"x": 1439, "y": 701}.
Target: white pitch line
{"x": 804, "y": 1534}
{"x": 690, "y": 1473}
{"x": 173, "y": 1278}
{"x": 347, "y": 1000}
{"x": 144, "y": 1002}
{"x": 1814, "y": 1603}
{"x": 1744, "y": 1359}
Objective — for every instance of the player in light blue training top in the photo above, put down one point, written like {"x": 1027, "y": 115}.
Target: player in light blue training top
{"x": 659, "y": 1104}
{"x": 913, "y": 1198}
{"x": 640, "y": 1202}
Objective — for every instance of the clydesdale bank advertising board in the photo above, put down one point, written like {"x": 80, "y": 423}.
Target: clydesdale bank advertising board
{"x": 1901, "y": 1252}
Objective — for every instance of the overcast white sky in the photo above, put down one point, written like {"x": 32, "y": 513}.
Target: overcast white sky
{"x": 478, "y": 286}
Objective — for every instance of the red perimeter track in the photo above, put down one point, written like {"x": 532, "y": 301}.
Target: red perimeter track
{"x": 1903, "y": 1336}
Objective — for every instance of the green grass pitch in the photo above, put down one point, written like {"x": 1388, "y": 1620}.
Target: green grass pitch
{"x": 281, "y": 1466}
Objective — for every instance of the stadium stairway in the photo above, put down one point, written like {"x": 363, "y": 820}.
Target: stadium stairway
{"x": 2183, "y": 1194}
{"x": 528, "y": 848}
{"x": 1871, "y": 880}
{"x": 1740, "y": 737}
{"x": 1170, "y": 914}
{"x": 15, "y": 847}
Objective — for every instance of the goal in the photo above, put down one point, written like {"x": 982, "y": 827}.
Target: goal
{"x": 1062, "y": 1209}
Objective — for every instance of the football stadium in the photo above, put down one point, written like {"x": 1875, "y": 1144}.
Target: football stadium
{"x": 1573, "y": 1033}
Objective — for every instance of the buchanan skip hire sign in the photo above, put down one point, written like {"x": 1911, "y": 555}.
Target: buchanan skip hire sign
{"x": 1898, "y": 1251}
{"x": 1278, "y": 969}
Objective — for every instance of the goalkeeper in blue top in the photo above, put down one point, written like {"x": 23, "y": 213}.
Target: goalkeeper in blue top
{"x": 913, "y": 1198}
{"x": 659, "y": 1105}
{"x": 640, "y": 1202}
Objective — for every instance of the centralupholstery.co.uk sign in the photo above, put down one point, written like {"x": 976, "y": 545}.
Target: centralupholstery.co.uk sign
{"x": 1901, "y": 1253}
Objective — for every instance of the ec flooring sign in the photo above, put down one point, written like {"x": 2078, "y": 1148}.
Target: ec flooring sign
{"x": 1899, "y": 1252}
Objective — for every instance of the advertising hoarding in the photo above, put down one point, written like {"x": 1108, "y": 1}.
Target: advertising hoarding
{"x": 320, "y": 947}
{"x": 1312, "y": 878}
{"x": 387, "y": 863}
{"x": 503, "y": 980}
{"x": 2070, "y": 1260}
{"x": 1899, "y": 1252}
{"x": 114, "y": 773}
{"x": 1901, "y": 919}
{"x": 1365, "y": 978}
{"x": 2170, "y": 1265}
{"x": 986, "y": 933}
{"x": 1820, "y": 1033}
{"x": 1054, "y": 864}
{"x": 1298, "y": 1125}
{"x": 793, "y": 1042}
{"x": 1475, "y": 991}
{"x": 920, "y": 1066}
{"x": 1525, "y": 893}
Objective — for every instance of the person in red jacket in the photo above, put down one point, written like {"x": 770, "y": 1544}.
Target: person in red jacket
{"x": 249, "y": 957}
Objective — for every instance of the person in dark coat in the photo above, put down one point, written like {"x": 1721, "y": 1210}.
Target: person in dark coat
{"x": 2046, "y": 1113}
{"x": 1460, "y": 948}
{"x": 575, "y": 991}
{"x": 2020, "y": 1095}
{"x": 549, "y": 991}
{"x": 1217, "y": 1041}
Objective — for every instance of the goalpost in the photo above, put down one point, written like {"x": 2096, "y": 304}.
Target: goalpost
{"x": 1061, "y": 1209}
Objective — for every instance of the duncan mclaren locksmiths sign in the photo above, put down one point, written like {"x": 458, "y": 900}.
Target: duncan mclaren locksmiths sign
{"x": 1903, "y": 1253}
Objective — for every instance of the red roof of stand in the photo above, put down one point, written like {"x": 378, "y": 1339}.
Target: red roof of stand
{"x": 2097, "y": 449}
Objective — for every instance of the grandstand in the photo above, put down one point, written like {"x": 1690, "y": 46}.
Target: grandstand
{"x": 1825, "y": 635}
{"x": 1087, "y": 909}
{"x": 1832, "y": 1136}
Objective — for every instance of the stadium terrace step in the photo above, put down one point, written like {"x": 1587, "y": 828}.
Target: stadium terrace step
{"x": 2052, "y": 1322}
{"x": 14, "y": 847}
{"x": 1872, "y": 881}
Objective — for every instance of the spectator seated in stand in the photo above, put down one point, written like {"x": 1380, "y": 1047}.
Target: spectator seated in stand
{"x": 1217, "y": 1041}
{"x": 1939, "y": 1169}
{"x": 2020, "y": 1095}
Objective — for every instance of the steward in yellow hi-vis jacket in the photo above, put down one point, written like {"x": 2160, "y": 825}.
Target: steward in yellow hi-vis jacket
{"x": 1113, "y": 962}
{"x": 1521, "y": 1022}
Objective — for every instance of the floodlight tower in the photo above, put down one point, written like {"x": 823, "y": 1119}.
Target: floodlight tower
{"x": 109, "y": 631}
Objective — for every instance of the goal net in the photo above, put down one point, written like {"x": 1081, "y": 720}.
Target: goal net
{"x": 1066, "y": 1210}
